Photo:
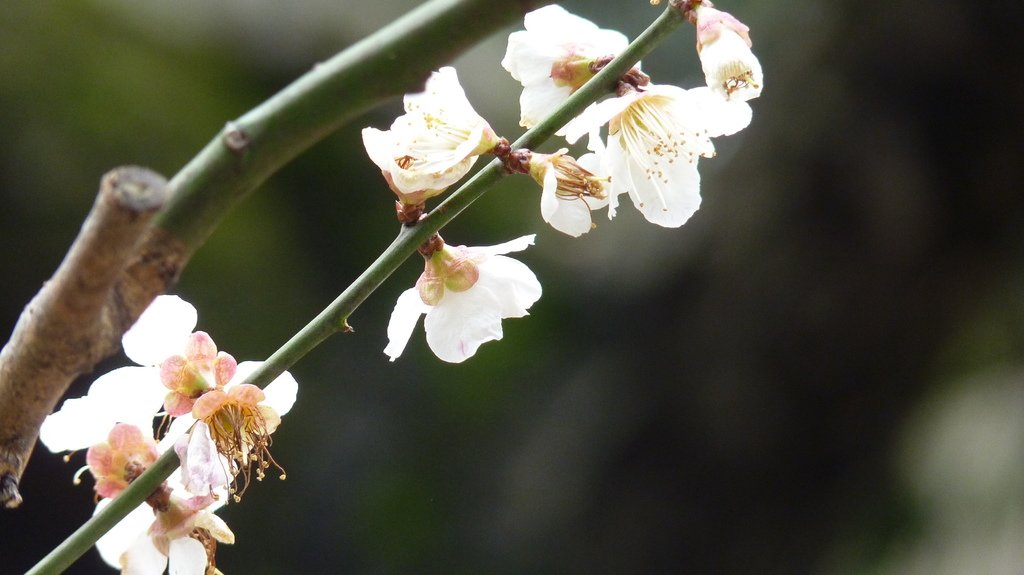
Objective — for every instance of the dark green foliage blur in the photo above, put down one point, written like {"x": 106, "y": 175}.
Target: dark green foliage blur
{"x": 822, "y": 372}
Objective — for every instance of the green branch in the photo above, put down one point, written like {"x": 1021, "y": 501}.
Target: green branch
{"x": 333, "y": 318}
{"x": 395, "y": 60}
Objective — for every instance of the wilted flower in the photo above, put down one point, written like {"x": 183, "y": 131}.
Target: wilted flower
{"x": 572, "y": 190}
{"x": 434, "y": 143}
{"x": 116, "y": 462}
{"x": 723, "y": 43}
{"x": 231, "y": 436}
{"x": 171, "y": 530}
{"x": 655, "y": 136}
{"x": 556, "y": 54}
{"x": 465, "y": 292}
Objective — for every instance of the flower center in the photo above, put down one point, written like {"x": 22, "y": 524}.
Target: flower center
{"x": 656, "y": 133}
{"x": 242, "y": 435}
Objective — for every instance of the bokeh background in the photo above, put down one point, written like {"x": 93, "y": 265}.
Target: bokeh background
{"x": 822, "y": 372}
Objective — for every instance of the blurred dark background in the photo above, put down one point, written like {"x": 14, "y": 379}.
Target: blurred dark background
{"x": 822, "y": 372}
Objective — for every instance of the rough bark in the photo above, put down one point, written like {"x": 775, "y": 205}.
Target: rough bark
{"x": 115, "y": 267}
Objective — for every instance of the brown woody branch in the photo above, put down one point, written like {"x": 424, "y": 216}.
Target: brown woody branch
{"x": 113, "y": 270}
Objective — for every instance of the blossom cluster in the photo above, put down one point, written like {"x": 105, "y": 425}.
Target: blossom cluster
{"x": 655, "y": 135}
{"x": 188, "y": 396}
{"x": 219, "y": 427}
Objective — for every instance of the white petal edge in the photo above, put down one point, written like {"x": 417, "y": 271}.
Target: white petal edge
{"x": 668, "y": 204}
{"x": 571, "y": 216}
{"x": 216, "y": 526}
{"x": 186, "y": 556}
{"x": 595, "y": 116}
{"x": 280, "y": 393}
{"x": 462, "y": 322}
{"x": 114, "y": 543}
{"x": 721, "y": 117}
{"x": 516, "y": 245}
{"x": 513, "y": 284}
{"x": 78, "y": 424}
{"x": 179, "y": 427}
{"x": 379, "y": 146}
{"x": 406, "y": 314}
{"x": 201, "y": 464}
{"x": 135, "y": 394}
{"x": 160, "y": 331}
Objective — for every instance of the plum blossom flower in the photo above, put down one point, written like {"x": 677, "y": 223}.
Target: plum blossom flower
{"x": 655, "y": 136}
{"x": 434, "y": 143}
{"x": 572, "y": 190}
{"x": 465, "y": 293}
{"x": 172, "y": 530}
{"x": 128, "y": 394}
{"x": 723, "y": 43}
{"x": 119, "y": 460}
{"x": 556, "y": 54}
{"x": 231, "y": 433}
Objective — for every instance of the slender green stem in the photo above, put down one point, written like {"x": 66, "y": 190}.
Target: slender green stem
{"x": 333, "y": 318}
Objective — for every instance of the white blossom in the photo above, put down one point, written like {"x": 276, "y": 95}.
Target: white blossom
{"x": 572, "y": 189}
{"x": 434, "y": 143}
{"x": 655, "y": 136}
{"x": 469, "y": 290}
{"x": 553, "y": 57}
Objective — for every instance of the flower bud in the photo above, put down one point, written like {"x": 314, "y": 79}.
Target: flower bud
{"x": 460, "y": 272}
{"x": 723, "y": 43}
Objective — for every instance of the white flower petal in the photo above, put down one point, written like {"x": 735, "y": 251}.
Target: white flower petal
{"x": 528, "y": 61}
{"x": 571, "y": 216}
{"x": 549, "y": 195}
{"x": 216, "y": 526}
{"x": 143, "y": 558}
{"x": 538, "y": 102}
{"x": 406, "y": 314}
{"x": 461, "y": 322}
{"x": 135, "y": 393}
{"x": 179, "y": 427}
{"x": 595, "y": 116}
{"x": 280, "y": 393}
{"x": 160, "y": 331}
{"x": 668, "y": 201}
{"x": 114, "y": 543}
{"x": 201, "y": 464}
{"x": 378, "y": 146}
{"x": 720, "y": 117}
{"x": 80, "y": 423}
{"x": 186, "y": 557}
{"x": 513, "y": 284}
{"x": 443, "y": 95}
{"x": 480, "y": 253}
{"x": 554, "y": 21}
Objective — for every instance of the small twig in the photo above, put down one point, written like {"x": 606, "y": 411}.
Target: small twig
{"x": 74, "y": 321}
